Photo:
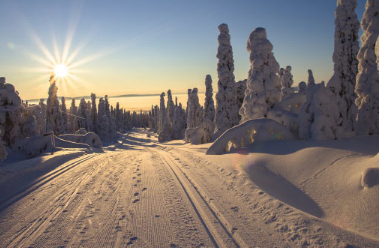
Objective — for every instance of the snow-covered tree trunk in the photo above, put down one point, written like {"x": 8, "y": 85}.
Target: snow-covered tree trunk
{"x": 286, "y": 81}
{"x": 263, "y": 87}
{"x": 226, "y": 107}
{"x": 54, "y": 113}
{"x": 209, "y": 107}
{"x": 367, "y": 86}
{"x": 346, "y": 47}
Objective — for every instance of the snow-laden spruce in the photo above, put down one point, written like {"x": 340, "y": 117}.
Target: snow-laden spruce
{"x": 346, "y": 47}
{"x": 54, "y": 112}
{"x": 367, "y": 85}
{"x": 64, "y": 116}
{"x": 286, "y": 81}
{"x": 311, "y": 80}
{"x": 319, "y": 115}
{"x": 94, "y": 117}
{"x": 164, "y": 130}
{"x": 240, "y": 88}
{"x": 263, "y": 85}
{"x": 226, "y": 107}
{"x": 195, "y": 116}
{"x": 170, "y": 106}
{"x": 209, "y": 107}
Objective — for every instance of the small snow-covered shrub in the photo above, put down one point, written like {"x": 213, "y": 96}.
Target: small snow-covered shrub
{"x": 89, "y": 138}
{"x": 201, "y": 134}
{"x": 247, "y": 133}
{"x": 36, "y": 145}
{"x": 286, "y": 118}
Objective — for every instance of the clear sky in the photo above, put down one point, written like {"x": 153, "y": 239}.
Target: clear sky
{"x": 149, "y": 46}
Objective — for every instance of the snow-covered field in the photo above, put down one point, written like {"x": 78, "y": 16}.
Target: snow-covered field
{"x": 142, "y": 193}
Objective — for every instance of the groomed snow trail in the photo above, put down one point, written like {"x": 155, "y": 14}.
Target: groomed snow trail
{"x": 145, "y": 194}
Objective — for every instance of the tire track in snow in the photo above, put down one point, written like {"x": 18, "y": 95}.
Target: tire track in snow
{"x": 218, "y": 228}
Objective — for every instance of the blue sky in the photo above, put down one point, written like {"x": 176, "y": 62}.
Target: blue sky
{"x": 151, "y": 46}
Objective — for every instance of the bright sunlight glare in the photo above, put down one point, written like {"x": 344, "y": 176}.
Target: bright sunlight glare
{"x": 60, "y": 70}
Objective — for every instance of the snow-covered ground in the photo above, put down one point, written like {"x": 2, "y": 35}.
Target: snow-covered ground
{"x": 141, "y": 193}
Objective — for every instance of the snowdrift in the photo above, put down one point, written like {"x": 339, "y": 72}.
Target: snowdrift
{"x": 89, "y": 138}
{"x": 248, "y": 132}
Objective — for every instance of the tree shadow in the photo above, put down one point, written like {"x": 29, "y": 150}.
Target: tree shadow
{"x": 281, "y": 189}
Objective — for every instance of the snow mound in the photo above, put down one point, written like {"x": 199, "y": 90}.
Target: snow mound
{"x": 81, "y": 131}
{"x": 370, "y": 177}
{"x": 69, "y": 144}
{"x": 248, "y": 132}
{"x": 89, "y": 138}
{"x": 8, "y": 95}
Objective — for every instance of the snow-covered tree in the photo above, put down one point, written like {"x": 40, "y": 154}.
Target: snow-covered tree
{"x": 82, "y": 118}
{"x": 263, "y": 87}
{"x": 72, "y": 116}
{"x": 103, "y": 126}
{"x": 319, "y": 115}
{"x": 367, "y": 85}
{"x": 188, "y": 99}
{"x": 346, "y": 47}
{"x": 64, "y": 116}
{"x": 164, "y": 130}
{"x": 209, "y": 107}
{"x": 226, "y": 107}
{"x": 178, "y": 124}
{"x": 41, "y": 121}
{"x": 311, "y": 79}
{"x": 94, "y": 116}
{"x": 286, "y": 81}
{"x": 170, "y": 106}
{"x": 302, "y": 87}
{"x": 54, "y": 112}
{"x": 194, "y": 117}
{"x": 240, "y": 88}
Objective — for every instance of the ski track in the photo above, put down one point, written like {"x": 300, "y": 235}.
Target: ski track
{"x": 153, "y": 195}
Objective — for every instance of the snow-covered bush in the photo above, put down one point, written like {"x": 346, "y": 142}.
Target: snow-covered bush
{"x": 247, "y": 133}
{"x": 90, "y": 138}
{"x": 286, "y": 118}
{"x": 209, "y": 107}
{"x": 302, "y": 87}
{"x": 367, "y": 85}
{"x": 319, "y": 116}
{"x": 263, "y": 86}
{"x": 286, "y": 81}
{"x": 36, "y": 145}
{"x": 293, "y": 102}
{"x": 226, "y": 107}
{"x": 29, "y": 128}
{"x": 346, "y": 47}
{"x": 201, "y": 134}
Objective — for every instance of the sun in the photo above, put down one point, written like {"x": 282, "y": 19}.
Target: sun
{"x": 60, "y": 71}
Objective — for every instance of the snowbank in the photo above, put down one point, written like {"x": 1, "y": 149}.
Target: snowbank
{"x": 248, "y": 132}
{"x": 89, "y": 138}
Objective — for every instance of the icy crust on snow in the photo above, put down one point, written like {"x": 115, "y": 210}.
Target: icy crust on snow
{"x": 346, "y": 47}
{"x": 318, "y": 115}
{"x": 263, "y": 87}
{"x": 367, "y": 85}
{"x": 226, "y": 108}
{"x": 247, "y": 133}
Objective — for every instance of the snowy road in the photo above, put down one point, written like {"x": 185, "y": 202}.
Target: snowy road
{"x": 145, "y": 194}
